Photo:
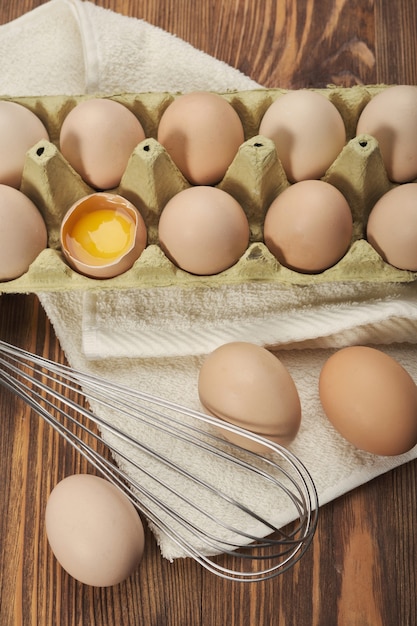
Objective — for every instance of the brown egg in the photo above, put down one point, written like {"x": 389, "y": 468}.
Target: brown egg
{"x": 97, "y": 138}
{"x": 203, "y": 230}
{"x": 392, "y": 227}
{"x": 23, "y": 233}
{"x": 247, "y": 385}
{"x": 391, "y": 117}
{"x": 308, "y": 132}
{"x": 308, "y": 227}
{"x": 94, "y": 530}
{"x": 370, "y": 399}
{"x": 201, "y": 132}
{"x": 20, "y": 130}
{"x": 102, "y": 235}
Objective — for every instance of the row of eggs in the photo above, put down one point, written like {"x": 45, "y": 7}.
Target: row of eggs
{"x": 202, "y": 132}
{"x": 367, "y": 396}
{"x": 204, "y": 230}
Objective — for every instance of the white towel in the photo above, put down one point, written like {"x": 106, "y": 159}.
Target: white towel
{"x": 73, "y": 47}
{"x": 173, "y": 322}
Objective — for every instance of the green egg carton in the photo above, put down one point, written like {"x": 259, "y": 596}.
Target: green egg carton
{"x": 254, "y": 178}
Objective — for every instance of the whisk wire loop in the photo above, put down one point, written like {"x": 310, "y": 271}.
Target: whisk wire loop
{"x": 192, "y": 508}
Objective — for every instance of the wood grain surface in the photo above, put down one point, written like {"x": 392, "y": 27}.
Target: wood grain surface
{"x": 361, "y": 567}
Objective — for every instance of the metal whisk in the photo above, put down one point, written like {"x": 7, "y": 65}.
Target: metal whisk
{"x": 207, "y": 495}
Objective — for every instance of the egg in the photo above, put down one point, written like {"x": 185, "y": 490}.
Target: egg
{"x": 20, "y": 130}
{"x": 309, "y": 226}
{"x": 392, "y": 227}
{"x": 94, "y": 530}
{"x": 370, "y": 399}
{"x": 102, "y": 235}
{"x": 202, "y": 133}
{"x": 246, "y": 385}
{"x": 23, "y": 233}
{"x": 203, "y": 230}
{"x": 391, "y": 117}
{"x": 308, "y": 132}
{"x": 97, "y": 138}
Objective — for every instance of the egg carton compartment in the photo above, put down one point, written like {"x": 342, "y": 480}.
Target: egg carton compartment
{"x": 254, "y": 179}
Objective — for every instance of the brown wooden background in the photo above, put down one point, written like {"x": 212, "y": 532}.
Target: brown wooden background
{"x": 361, "y": 568}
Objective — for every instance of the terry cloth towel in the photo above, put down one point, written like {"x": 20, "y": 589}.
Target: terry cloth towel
{"x": 74, "y": 47}
{"x": 155, "y": 323}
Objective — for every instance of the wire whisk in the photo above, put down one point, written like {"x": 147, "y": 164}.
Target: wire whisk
{"x": 209, "y": 497}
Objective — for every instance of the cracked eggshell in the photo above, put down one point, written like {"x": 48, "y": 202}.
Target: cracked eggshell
{"x": 98, "y": 255}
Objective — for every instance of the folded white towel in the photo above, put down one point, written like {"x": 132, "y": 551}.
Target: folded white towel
{"x": 73, "y": 47}
{"x": 172, "y": 322}
{"x": 335, "y": 466}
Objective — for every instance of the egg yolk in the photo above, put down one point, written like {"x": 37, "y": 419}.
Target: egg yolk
{"x": 100, "y": 236}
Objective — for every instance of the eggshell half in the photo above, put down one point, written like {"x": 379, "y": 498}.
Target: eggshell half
{"x": 104, "y": 265}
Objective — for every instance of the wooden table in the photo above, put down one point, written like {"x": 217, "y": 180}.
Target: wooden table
{"x": 360, "y": 570}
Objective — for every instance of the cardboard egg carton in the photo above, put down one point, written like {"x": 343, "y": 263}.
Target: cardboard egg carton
{"x": 254, "y": 178}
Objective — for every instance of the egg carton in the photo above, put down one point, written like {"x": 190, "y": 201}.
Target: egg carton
{"x": 254, "y": 179}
